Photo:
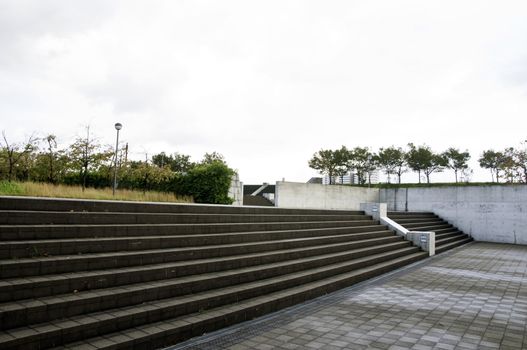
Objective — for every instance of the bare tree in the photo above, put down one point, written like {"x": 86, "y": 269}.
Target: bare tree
{"x": 15, "y": 152}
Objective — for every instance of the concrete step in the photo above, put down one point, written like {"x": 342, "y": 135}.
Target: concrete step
{"x": 44, "y": 285}
{"x": 450, "y": 239}
{"x": 428, "y": 226}
{"x": 309, "y": 282}
{"x": 76, "y": 205}
{"x": 448, "y": 234}
{"x": 29, "y": 311}
{"x": 417, "y": 220}
{"x": 173, "y": 330}
{"x": 446, "y": 230}
{"x": 411, "y": 216}
{"x": 32, "y": 248}
{"x": 24, "y": 232}
{"x": 100, "y": 261}
{"x": 457, "y": 243}
{"x": 44, "y": 248}
{"x": 11, "y": 217}
{"x": 410, "y": 213}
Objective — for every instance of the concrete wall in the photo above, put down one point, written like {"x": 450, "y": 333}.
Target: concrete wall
{"x": 488, "y": 213}
{"x": 304, "y": 195}
{"x": 236, "y": 190}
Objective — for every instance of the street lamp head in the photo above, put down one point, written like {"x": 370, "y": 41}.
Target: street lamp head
{"x": 118, "y": 126}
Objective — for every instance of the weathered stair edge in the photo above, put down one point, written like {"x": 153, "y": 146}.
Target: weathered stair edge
{"x": 170, "y": 332}
{"x": 84, "y": 205}
{"x": 447, "y": 235}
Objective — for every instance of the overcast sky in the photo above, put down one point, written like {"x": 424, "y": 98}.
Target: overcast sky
{"x": 267, "y": 83}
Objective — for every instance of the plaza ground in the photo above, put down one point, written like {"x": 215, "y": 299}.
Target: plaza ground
{"x": 474, "y": 297}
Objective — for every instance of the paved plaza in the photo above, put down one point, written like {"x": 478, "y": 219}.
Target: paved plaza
{"x": 474, "y": 297}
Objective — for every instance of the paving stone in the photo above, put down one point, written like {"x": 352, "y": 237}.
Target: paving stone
{"x": 472, "y": 298}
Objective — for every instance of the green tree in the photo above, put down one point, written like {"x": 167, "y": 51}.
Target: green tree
{"x": 457, "y": 160}
{"x": 162, "y": 160}
{"x": 87, "y": 155}
{"x": 340, "y": 158}
{"x": 182, "y": 163}
{"x": 510, "y": 165}
{"x": 422, "y": 159}
{"x": 392, "y": 160}
{"x": 213, "y": 157}
{"x": 362, "y": 162}
{"x": 521, "y": 160}
{"x": 493, "y": 161}
{"x": 327, "y": 162}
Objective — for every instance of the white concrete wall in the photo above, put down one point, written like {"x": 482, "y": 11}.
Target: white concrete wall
{"x": 304, "y": 195}
{"x": 487, "y": 213}
{"x": 236, "y": 190}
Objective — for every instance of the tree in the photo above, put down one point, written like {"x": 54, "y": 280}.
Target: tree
{"x": 493, "y": 161}
{"x": 509, "y": 165}
{"x": 86, "y": 154}
{"x": 14, "y": 152}
{"x": 439, "y": 162}
{"x": 392, "y": 161}
{"x": 456, "y": 160}
{"x": 417, "y": 157}
{"x": 422, "y": 159}
{"x": 162, "y": 159}
{"x": 182, "y": 164}
{"x": 521, "y": 160}
{"x": 52, "y": 145}
{"x": 363, "y": 162}
{"x": 327, "y": 162}
{"x": 213, "y": 157}
{"x": 340, "y": 158}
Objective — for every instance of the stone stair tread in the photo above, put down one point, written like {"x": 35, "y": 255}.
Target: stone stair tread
{"x": 113, "y": 315}
{"x": 454, "y": 244}
{"x": 22, "y": 282}
{"x": 160, "y": 329}
{"x": 87, "y": 205}
{"x": 73, "y": 257}
{"x": 46, "y": 212}
{"x": 154, "y": 237}
{"x": 17, "y": 232}
{"x": 114, "y": 291}
{"x": 449, "y": 239}
{"x": 14, "y": 217}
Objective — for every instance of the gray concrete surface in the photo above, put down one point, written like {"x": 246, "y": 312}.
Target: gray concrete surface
{"x": 487, "y": 213}
{"x": 306, "y": 196}
{"x": 236, "y": 190}
{"x": 474, "y": 297}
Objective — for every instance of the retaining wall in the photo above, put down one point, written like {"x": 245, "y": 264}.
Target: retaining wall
{"x": 488, "y": 213}
{"x": 304, "y": 195}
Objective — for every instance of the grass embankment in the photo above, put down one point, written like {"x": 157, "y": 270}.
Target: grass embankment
{"x": 36, "y": 189}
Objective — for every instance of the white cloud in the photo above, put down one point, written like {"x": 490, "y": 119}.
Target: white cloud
{"x": 267, "y": 84}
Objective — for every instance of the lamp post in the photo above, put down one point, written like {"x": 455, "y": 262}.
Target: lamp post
{"x": 118, "y": 126}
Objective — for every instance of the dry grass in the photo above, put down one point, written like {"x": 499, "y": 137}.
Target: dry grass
{"x": 36, "y": 189}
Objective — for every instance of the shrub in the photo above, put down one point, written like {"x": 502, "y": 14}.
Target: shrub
{"x": 206, "y": 183}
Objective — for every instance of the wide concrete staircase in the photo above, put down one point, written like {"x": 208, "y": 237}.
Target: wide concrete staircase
{"x": 115, "y": 275}
{"x": 447, "y": 236}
